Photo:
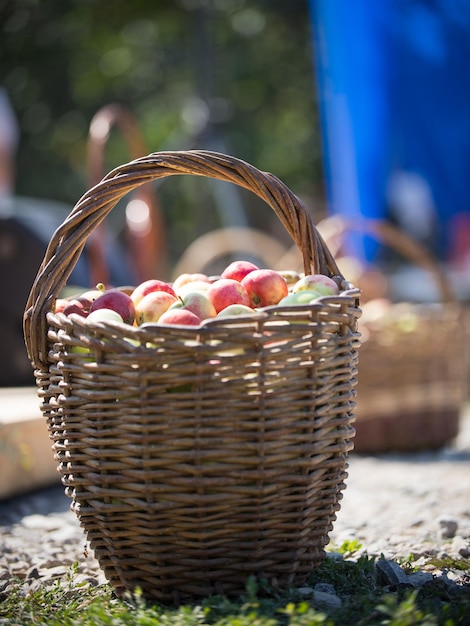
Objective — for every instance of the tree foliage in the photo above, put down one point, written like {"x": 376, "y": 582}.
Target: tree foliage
{"x": 231, "y": 75}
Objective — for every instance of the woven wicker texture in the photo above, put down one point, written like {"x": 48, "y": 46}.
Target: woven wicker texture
{"x": 412, "y": 380}
{"x": 196, "y": 457}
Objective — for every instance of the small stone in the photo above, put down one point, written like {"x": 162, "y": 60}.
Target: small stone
{"x": 450, "y": 580}
{"x": 327, "y": 600}
{"x": 84, "y": 579}
{"x": 335, "y": 556}
{"x": 53, "y": 572}
{"x": 447, "y": 526}
{"x": 392, "y": 574}
{"x": 305, "y": 592}
{"x": 55, "y": 562}
{"x": 33, "y": 572}
{"x": 19, "y": 569}
{"x": 418, "y": 521}
{"x": 419, "y": 579}
{"x": 456, "y": 577}
{"x": 460, "y": 546}
{"x": 4, "y": 574}
{"x": 325, "y": 588}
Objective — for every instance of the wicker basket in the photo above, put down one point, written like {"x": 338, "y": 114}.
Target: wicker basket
{"x": 411, "y": 386}
{"x": 197, "y": 457}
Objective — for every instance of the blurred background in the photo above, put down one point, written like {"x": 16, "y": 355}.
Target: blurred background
{"x": 228, "y": 75}
{"x": 360, "y": 107}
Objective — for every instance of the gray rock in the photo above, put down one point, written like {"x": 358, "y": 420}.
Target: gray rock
{"x": 392, "y": 574}
{"x": 326, "y": 600}
{"x": 335, "y": 556}
{"x": 4, "y": 574}
{"x": 325, "y": 588}
{"x": 305, "y": 592}
{"x": 418, "y": 579}
{"x": 460, "y": 546}
{"x": 447, "y": 526}
{"x": 33, "y": 572}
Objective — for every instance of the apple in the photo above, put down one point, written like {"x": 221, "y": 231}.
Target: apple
{"x": 237, "y": 270}
{"x": 184, "y": 279}
{"x": 91, "y": 294}
{"x": 117, "y": 301}
{"x": 318, "y": 282}
{"x": 75, "y": 306}
{"x": 79, "y": 304}
{"x": 60, "y": 305}
{"x": 149, "y": 286}
{"x": 305, "y": 296}
{"x": 265, "y": 287}
{"x": 290, "y": 276}
{"x": 225, "y": 291}
{"x": 236, "y": 309}
{"x": 104, "y": 315}
{"x": 196, "y": 302}
{"x": 151, "y": 306}
{"x": 88, "y": 297}
{"x": 81, "y": 350}
{"x": 196, "y": 285}
{"x": 181, "y": 317}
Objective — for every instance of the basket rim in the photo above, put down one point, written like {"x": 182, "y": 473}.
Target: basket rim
{"x": 68, "y": 241}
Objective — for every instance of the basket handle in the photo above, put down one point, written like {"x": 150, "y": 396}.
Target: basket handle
{"x": 334, "y": 228}
{"x": 69, "y": 239}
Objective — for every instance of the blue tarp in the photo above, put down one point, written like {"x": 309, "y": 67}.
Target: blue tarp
{"x": 394, "y": 91}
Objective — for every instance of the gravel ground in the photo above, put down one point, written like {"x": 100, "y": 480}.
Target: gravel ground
{"x": 398, "y": 504}
{"x": 395, "y": 505}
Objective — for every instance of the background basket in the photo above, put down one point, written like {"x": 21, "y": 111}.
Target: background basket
{"x": 196, "y": 457}
{"x": 412, "y": 380}
{"x": 144, "y": 241}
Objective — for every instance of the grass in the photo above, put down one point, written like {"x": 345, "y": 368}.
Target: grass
{"x": 365, "y": 601}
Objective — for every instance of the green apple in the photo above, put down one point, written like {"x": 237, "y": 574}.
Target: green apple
{"x": 196, "y": 302}
{"x": 104, "y": 315}
{"x": 305, "y": 296}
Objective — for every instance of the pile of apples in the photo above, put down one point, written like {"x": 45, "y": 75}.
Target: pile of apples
{"x": 242, "y": 289}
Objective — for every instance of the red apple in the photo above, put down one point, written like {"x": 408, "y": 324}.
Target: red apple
{"x": 317, "y": 282}
{"x": 225, "y": 291}
{"x": 196, "y": 302}
{"x": 265, "y": 287}
{"x": 151, "y": 306}
{"x": 75, "y": 306}
{"x": 237, "y": 270}
{"x": 116, "y": 301}
{"x": 149, "y": 286}
{"x": 181, "y": 317}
